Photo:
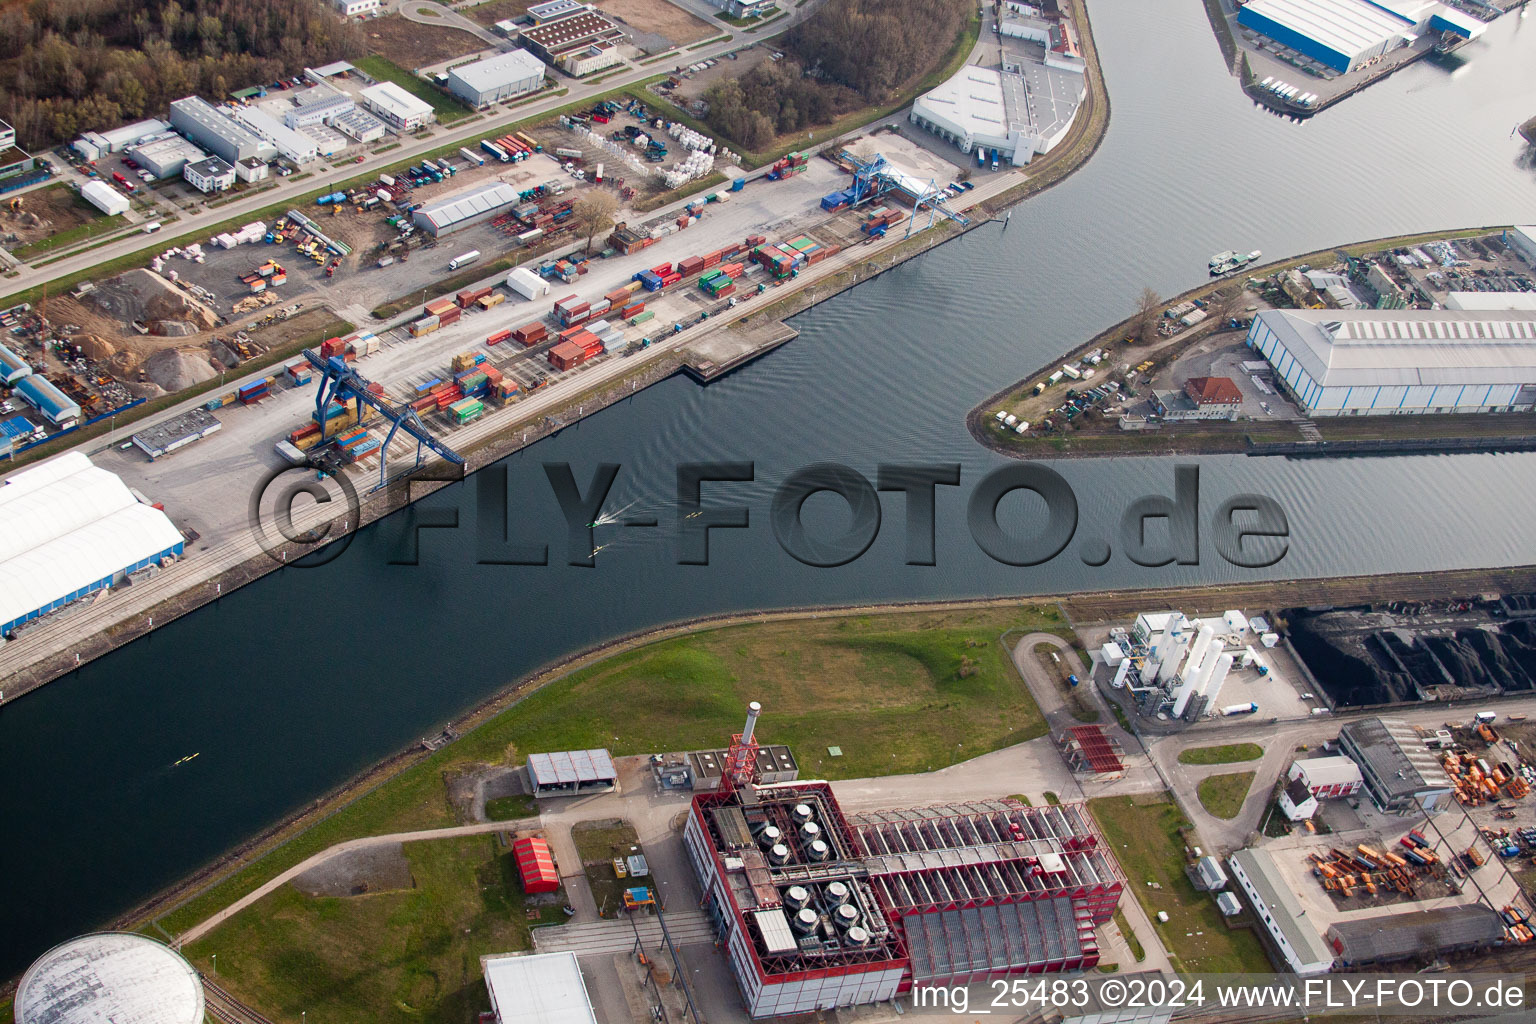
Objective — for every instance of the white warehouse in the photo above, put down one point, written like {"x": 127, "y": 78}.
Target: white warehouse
{"x": 496, "y": 78}
{"x": 1338, "y": 362}
{"x": 69, "y": 529}
{"x": 1013, "y": 115}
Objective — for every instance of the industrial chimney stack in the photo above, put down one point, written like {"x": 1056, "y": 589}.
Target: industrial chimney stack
{"x": 753, "y": 710}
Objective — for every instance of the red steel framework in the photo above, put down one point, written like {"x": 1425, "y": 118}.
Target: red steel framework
{"x": 1095, "y": 746}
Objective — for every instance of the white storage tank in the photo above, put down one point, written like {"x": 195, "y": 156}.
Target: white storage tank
{"x": 110, "y": 976}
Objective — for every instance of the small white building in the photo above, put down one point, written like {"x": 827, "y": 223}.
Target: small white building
{"x": 398, "y": 108}
{"x": 105, "y": 198}
{"x": 356, "y": 8}
{"x": 1328, "y": 778}
{"x": 252, "y": 169}
{"x": 359, "y": 126}
{"x": 210, "y": 175}
{"x": 543, "y": 989}
{"x": 1280, "y": 912}
{"x": 1296, "y": 801}
{"x": 591, "y": 58}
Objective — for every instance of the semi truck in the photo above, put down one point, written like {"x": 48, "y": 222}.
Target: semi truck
{"x": 464, "y": 259}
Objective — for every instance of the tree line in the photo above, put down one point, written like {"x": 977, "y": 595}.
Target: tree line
{"x": 848, "y": 53}
{"x": 68, "y": 66}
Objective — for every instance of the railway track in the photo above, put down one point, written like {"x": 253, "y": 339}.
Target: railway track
{"x": 225, "y": 1008}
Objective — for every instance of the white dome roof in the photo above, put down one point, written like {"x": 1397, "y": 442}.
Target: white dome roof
{"x": 110, "y": 978}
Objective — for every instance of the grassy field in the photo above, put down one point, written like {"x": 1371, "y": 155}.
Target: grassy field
{"x": 446, "y": 107}
{"x": 1223, "y": 795}
{"x": 1228, "y": 754}
{"x": 407, "y": 955}
{"x": 1137, "y": 950}
{"x": 886, "y": 688}
{"x": 510, "y": 808}
{"x": 1144, "y": 833}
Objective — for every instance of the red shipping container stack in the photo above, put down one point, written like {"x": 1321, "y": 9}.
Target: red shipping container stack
{"x": 448, "y": 316}
{"x": 491, "y": 373}
{"x": 711, "y": 259}
{"x": 467, "y": 297}
{"x": 668, "y": 280}
{"x": 755, "y": 240}
{"x": 618, "y": 296}
{"x": 729, "y": 289}
{"x": 731, "y": 270}
{"x": 531, "y": 334}
{"x": 662, "y": 269}
{"x": 498, "y": 337}
{"x": 437, "y": 307}
{"x": 691, "y": 265}
{"x": 629, "y": 311}
{"x": 566, "y": 355}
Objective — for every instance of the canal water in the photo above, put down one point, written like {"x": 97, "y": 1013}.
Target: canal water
{"x": 290, "y": 686}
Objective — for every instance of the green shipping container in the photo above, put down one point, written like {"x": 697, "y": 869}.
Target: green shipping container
{"x": 801, "y": 244}
{"x": 640, "y": 318}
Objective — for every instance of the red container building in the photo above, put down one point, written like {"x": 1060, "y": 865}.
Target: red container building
{"x": 535, "y": 865}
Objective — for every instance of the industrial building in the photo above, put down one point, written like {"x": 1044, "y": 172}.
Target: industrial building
{"x": 746, "y": 8}
{"x": 317, "y": 105}
{"x": 1177, "y": 667}
{"x": 1340, "y": 36}
{"x": 1401, "y": 775}
{"x": 571, "y": 773}
{"x": 356, "y": 8}
{"x": 1301, "y": 949}
{"x": 543, "y": 989}
{"x": 398, "y": 108}
{"x": 359, "y": 126}
{"x": 456, "y": 212}
{"x": 1297, "y": 802}
{"x": 105, "y": 198}
{"x": 590, "y": 58}
{"x": 110, "y": 976}
{"x": 165, "y": 154}
{"x": 44, "y": 396}
{"x": 817, "y": 909}
{"x": 222, "y": 136}
{"x": 16, "y": 164}
{"x": 1525, "y": 301}
{"x": 1400, "y": 361}
{"x": 1522, "y": 239}
{"x": 209, "y": 175}
{"x": 1428, "y": 933}
{"x": 252, "y": 169}
{"x": 12, "y": 367}
{"x": 1010, "y": 114}
{"x": 1327, "y": 778}
{"x": 493, "y": 79}
{"x": 292, "y": 144}
{"x": 563, "y": 30}
{"x": 68, "y": 529}
{"x": 95, "y": 145}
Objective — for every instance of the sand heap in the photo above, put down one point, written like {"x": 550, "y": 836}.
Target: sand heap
{"x": 95, "y": 347}
{"x": 178, "y": 368}
{"x": 146, "y": 296}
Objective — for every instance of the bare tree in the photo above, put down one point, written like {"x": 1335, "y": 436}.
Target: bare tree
{"x": 593, "y": 213}
{"x": 1144, "y": 324}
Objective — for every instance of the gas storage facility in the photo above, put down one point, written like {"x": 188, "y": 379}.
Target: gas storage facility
{"x": 1176, "y": 667}
{"x": 110, "y": 976}
{"x": 69, "y": 529}
{"x": 1360, "y": 362}
{"x": 818, "y": 909}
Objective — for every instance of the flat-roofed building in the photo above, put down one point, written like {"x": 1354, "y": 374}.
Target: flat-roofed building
{"x": 356, "y": 8}
{"x": 292, "y": 144}
{"x": 493, "y": 79}
{"x": 1301, "y": 948}
{"x": 211, "y": 128}
{"x": 1327, "y": 778}
{"x": 1400, "y": 773}
{"x": 398, "y": 108}
{"x": 1338, "y": 34}
{"x": 252, "y": 169}
{"x": 554, "y": 10}
{"x": 359, "y": 126}
{"x": 1391, "y": 362}
{"x": 209, "y": 175}
{"x": 1388, "y": 938}
{"x": 571, "y": 773}
{"x": 1522, "y": 239}
{"x": 587, "y": 59}
{"x": 164, "y": 155}
{"x": 95, "y": 145}
{"x": 317, "y": 105}
{"x": 544, "y": 989}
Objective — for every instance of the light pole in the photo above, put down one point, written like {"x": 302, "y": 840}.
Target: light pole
{"x": 215, "y": 965}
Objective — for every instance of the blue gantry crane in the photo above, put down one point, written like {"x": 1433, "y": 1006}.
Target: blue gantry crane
{"x": 875, "y": 177}
{"x": 340, "y": 382}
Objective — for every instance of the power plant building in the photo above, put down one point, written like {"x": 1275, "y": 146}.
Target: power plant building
{"x": 493, "y": 79}
{"x": 1392, "y": 362}
{"x": 222, "y": 136}
{"x": 112, "y": 976}
{"x": 69, "y": 529}
{"x": 817, "y": 909}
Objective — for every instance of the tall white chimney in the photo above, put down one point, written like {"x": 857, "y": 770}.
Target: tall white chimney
{"x": 753, "y": 710}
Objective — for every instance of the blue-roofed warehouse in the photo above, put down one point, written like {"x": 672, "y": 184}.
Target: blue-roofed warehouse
{"x": 41, "y": 394}
{"x": 1340, "y": 35}
{"x": 12, "y": 367}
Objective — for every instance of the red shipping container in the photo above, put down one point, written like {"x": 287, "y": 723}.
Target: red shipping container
{"x": 755, "y": 240}
{"x": 571, "y": 332}
{"x": 629, "y": 311}
{"x": 444, "y": 319}
{"x": 531, "y": 334}
{"x": 617, "y": 296}
{"x": 729, "y": 289}
{"x": 667, "y": 280}
{"x": 711, "y": 260}
{"x": 438, "y": 306}
{"x": 662, "y": 269}
{"x": 691, "y": 265}
{"x": 581, "y": 268}
{"x": 491, "y": 373}
{"x": 498, "y": 337}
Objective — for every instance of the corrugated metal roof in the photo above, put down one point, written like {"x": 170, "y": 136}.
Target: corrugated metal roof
{"x": 117, "y": 977}
{"x": 1393, "y": 936}
{"x": 503, "y": 69}
{"x": 536, "y": 865}
{"x": 1258, "y": 867}
{"x": 774, "y": 926}
{"x": 469, "y": 204}
{"x": 1365, "y": 348}
{"x": 571, "y": 766}
{"x": 543, "y": 989}
{"x": 1328, "y": 771}
{"x": 1346, "y": 26}
{"x": 44, "y": 396}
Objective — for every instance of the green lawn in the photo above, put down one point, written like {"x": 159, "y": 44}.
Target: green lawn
{"x": 1228, "y": 754}
{"x": 446, "y": 107}
{"x": 886, "y": 688}
{"x": 406, "y": 955}
{"x": 1223, "y": 795}
{"x": 510, "y": 808}
{"x": 1144, "y": 834}
{"x": 1137, "y": 950}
